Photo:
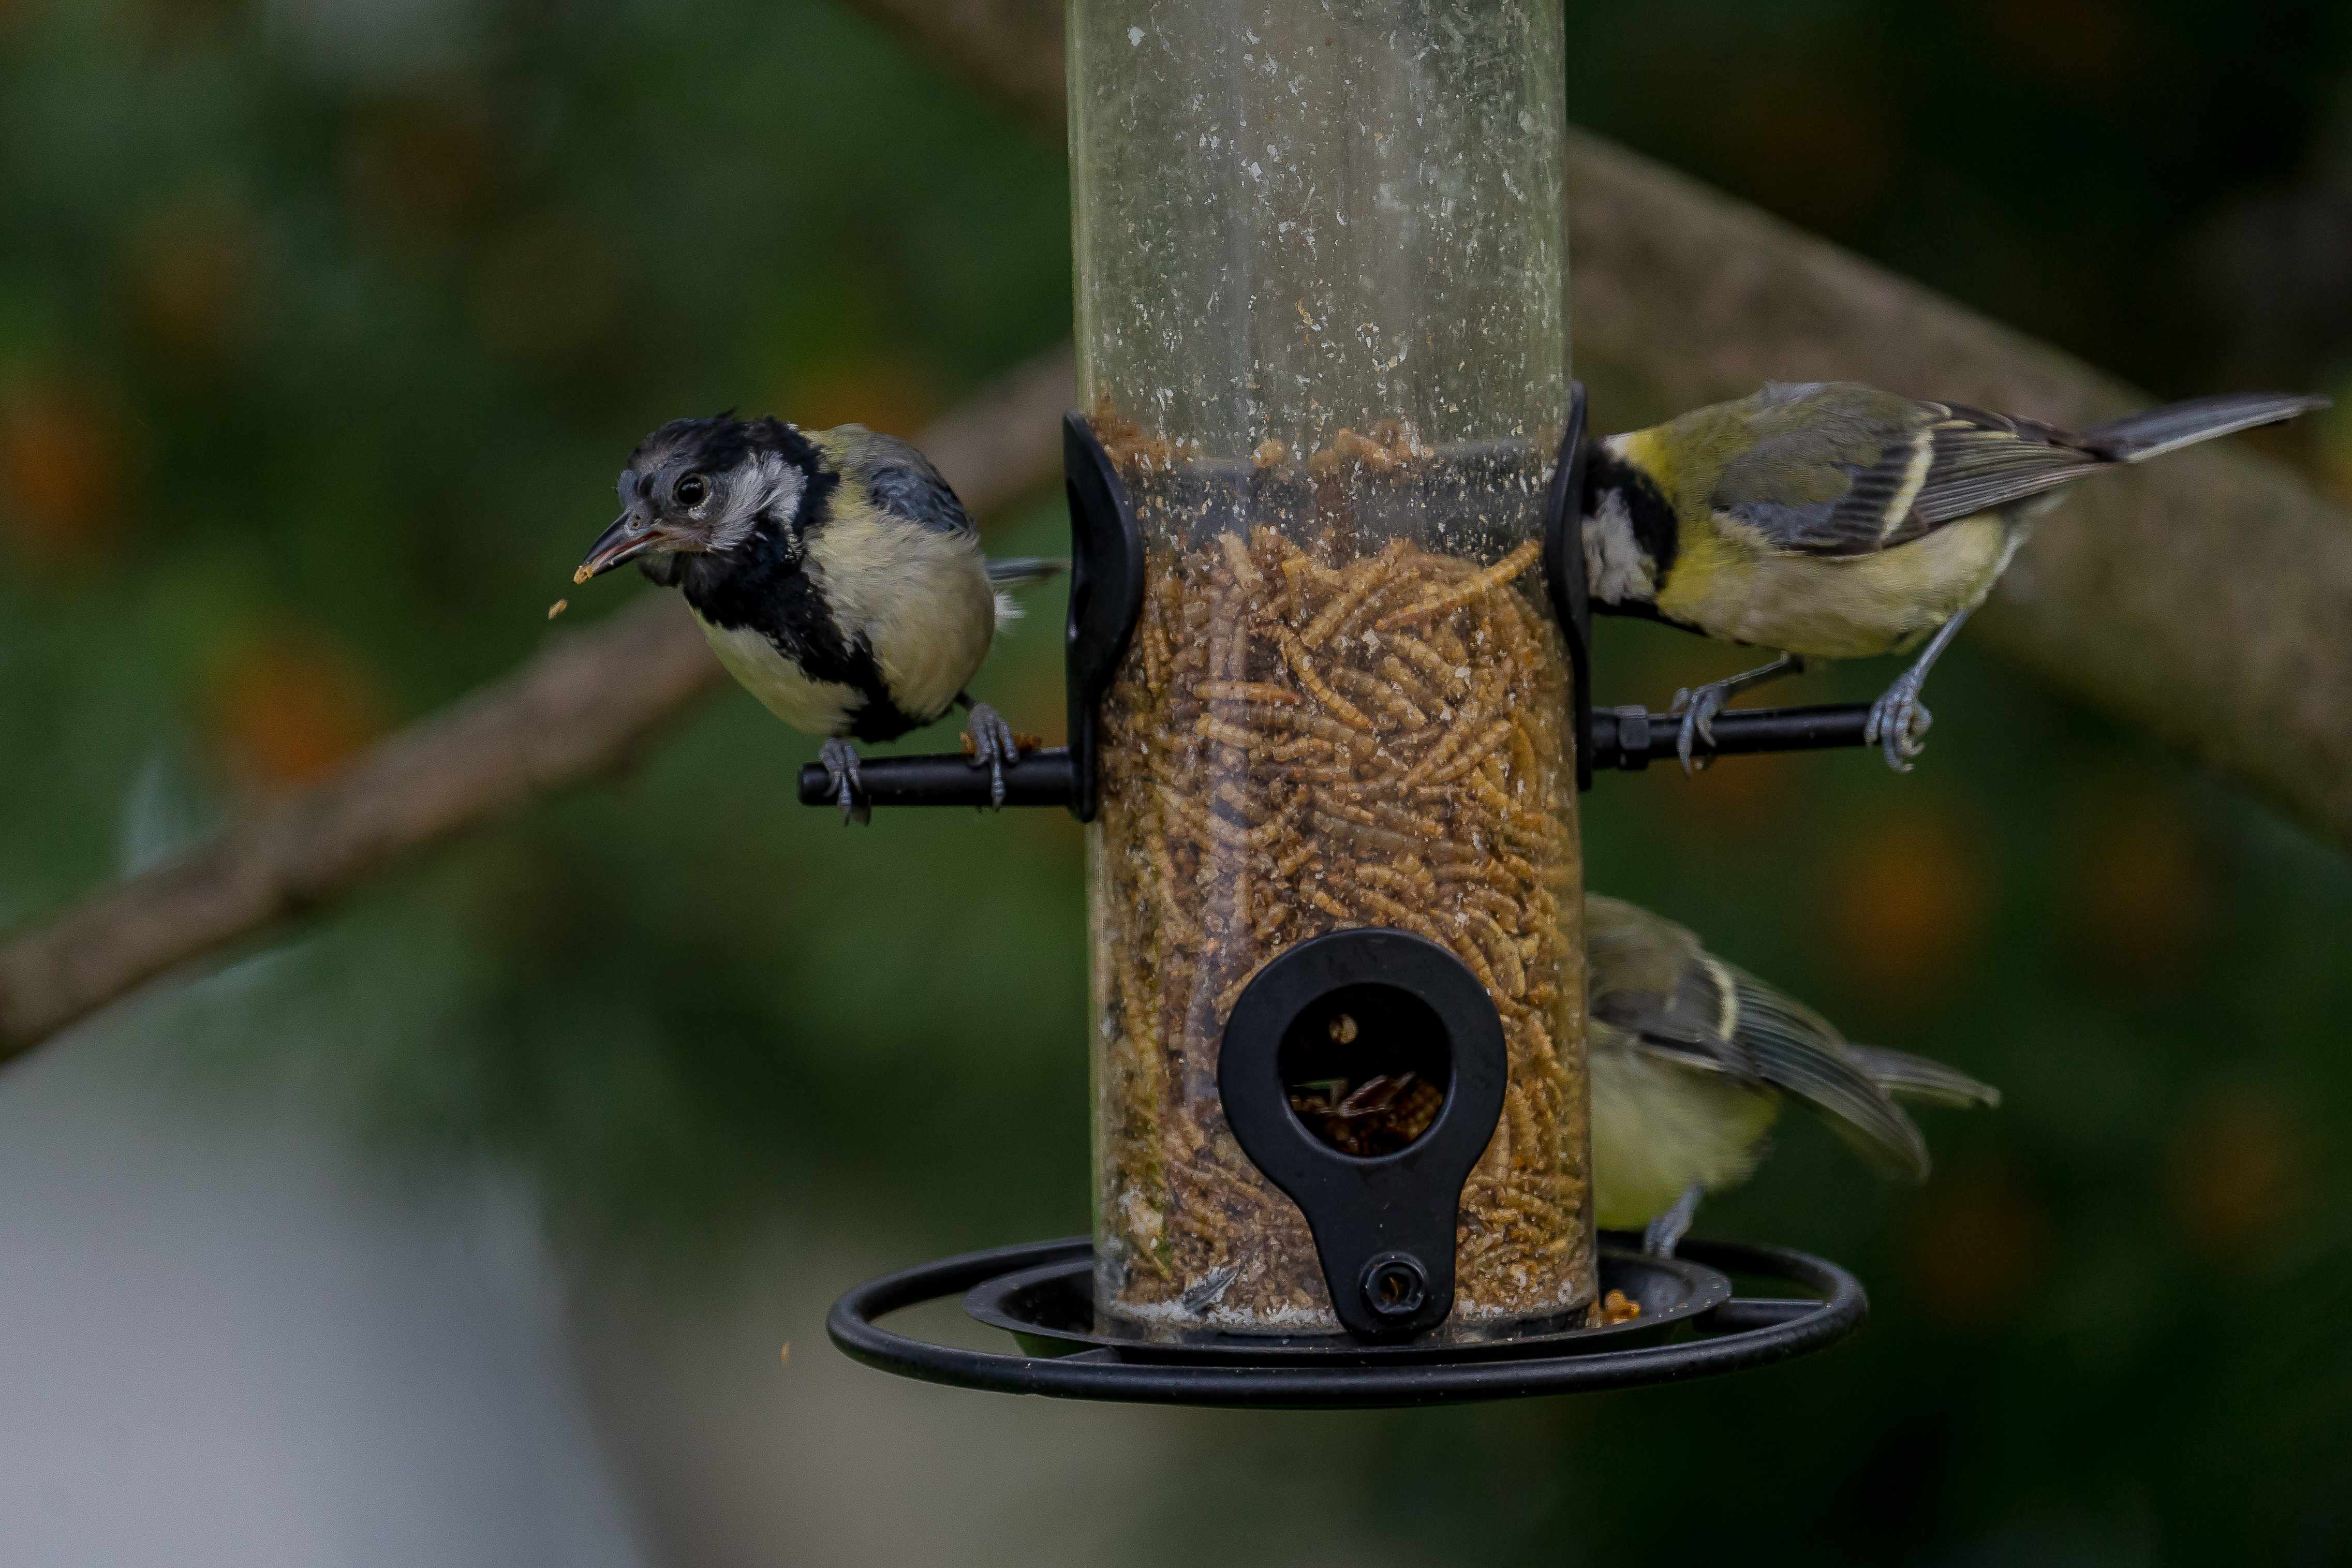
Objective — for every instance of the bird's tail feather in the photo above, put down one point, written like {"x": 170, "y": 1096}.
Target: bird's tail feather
{"x": 2153, "y": 432}
{"x": 1015, "y": 570}
{"x": 1906, "y": 1077}
{"x": 1018, "y": 571}
{"x": 1795, "y": 1051}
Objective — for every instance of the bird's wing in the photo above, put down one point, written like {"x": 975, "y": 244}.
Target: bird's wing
{"x": 1650, "y": 978}
{"x": 1837, "y": 468}
{"x": 897, "y": 478}
{"x": 1629, "y": 949}
{"x": 1906, "y": 1077}
{"x": 1797, "y": 1051}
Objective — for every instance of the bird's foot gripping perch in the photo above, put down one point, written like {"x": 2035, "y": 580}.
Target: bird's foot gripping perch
{"x": 990, "y": 743}
{"x": 840, "y": 761}
{"x": 1697, "y": 706}
{"x": 1899, "y": 722}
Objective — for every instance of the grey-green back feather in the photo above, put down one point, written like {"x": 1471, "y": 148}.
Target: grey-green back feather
{"x": 896, "y": 477}
{"x": 1651, "y": 978}
{"x": 1841, "y": 469}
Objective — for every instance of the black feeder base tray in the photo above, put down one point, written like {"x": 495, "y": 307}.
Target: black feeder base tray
{"x": 1691, "y": 1326}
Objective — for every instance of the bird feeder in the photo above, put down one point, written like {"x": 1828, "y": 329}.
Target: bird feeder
{"x": 1323, "y": 344}
{"x": 1329, "y": 715}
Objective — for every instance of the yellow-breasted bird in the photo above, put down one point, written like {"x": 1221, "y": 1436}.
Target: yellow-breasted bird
{"x": 836, "y": 574}
{"x": 1690, "y": 1060}
{"x": 1829, "y": 520}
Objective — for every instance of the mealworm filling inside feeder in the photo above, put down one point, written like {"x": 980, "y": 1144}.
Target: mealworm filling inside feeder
{"x": 1323, "y": 722}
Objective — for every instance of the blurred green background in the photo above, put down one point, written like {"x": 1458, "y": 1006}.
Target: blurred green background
{"x": 323, "y": 327}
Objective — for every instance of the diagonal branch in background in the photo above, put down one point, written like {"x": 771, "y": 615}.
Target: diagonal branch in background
{"x": 579, "y": 709}
{"x": 2207, "y": 599}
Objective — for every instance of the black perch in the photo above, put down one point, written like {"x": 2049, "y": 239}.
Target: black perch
{"x": 1626, "y": 739}
{"x": 1631, "y": 739}
{"x": 1039, "y": 778}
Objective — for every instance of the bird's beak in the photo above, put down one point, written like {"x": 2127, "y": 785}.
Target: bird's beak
{"x": 631, "y": 536}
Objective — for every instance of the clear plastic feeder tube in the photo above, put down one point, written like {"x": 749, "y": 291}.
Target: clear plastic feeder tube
{"x": 1322, "y": 332}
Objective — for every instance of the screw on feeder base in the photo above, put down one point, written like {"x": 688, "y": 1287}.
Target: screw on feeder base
{"x": 1394, "y": 1286}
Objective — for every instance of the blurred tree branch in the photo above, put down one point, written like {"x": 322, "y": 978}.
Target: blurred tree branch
{"x": 581, "y": 709}
{"x": 2207, "y": 599}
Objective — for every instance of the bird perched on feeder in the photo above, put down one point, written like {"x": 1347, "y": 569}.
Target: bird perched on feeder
{"x": 1690, "y": 1060}
{"x": 1829, "y": 520}
{"x": 836, "y": 574}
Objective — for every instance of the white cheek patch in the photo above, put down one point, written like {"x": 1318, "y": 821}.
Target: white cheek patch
{"x": 772, "y": 484}
{"x": 1615, "y": 570}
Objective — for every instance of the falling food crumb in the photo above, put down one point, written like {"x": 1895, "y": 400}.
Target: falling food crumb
{"x": 558, "y": 607}
{"x": 580, "y": 575}
{"x": 788, "y": 1353}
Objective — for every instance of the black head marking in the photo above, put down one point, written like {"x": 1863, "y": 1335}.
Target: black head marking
{"x": 1646, "y": 506}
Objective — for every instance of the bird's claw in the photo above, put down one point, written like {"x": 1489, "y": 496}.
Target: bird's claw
{"x": 840, "y": 761}
{"x": 1697, "y": 707}
{"x": 992, "y": 747}
{"x": 1898, "y": 723}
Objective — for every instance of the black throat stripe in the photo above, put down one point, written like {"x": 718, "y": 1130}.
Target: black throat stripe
{"x": 1646, "y": 506}
{"x": 762, "y": 585}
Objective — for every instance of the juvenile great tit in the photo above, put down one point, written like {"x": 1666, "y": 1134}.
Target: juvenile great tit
{"x": 1829, "y": 520}
{"x": 833, "y": 572}
{"x": 1690, "y": 1060}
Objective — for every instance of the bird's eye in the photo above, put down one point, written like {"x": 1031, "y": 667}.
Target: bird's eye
{"x": 692, "y": 491}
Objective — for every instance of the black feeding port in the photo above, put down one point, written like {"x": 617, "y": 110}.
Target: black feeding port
{"x": 1366, "y": 1067}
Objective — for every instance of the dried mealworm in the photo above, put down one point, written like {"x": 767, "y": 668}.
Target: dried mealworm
{"x": 1469, "y": 588}
{"x": 1359, "y": 581}
{"x": 1232, "y": 735}
{"x": 1447, "y": 672}
{"x": 1474, "y": 754}
{"x": 1379, "y": 839}
{"x": 1238, "y": 558}
{"x": 1245, "y": 691}
{"x": 1293, "y": 652}
{"x": 1501, "y": 950}
{"x": 1302, "y": 746}
{"x": 1385, "y": 697}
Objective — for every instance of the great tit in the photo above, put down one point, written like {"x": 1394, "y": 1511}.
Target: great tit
{"x": 833, "y": 572}
{"x": 1829, "y": 520}
{"x": 1690, "y": 1060}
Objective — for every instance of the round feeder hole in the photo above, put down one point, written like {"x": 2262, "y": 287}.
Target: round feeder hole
{"x": 1366, "y": 1069}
